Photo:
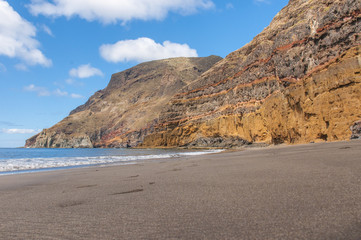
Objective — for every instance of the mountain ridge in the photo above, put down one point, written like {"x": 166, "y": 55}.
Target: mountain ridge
{"x": 116, "y": 115}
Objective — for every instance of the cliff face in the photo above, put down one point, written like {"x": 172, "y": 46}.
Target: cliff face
{"x": 296, "y": 82}
{"x": 123, "y": 112}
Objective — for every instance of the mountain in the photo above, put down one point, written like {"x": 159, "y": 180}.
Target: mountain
{"x": 297, "y": 82}
{"x": 122, "y": 113}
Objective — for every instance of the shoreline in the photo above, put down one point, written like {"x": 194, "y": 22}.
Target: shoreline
{"x": 61, "y": 159}
{"x": 310, "y": 191}
{"x": 256, "y": 146}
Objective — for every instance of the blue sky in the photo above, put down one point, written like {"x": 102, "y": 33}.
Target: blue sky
{"x": 54, "y": 54}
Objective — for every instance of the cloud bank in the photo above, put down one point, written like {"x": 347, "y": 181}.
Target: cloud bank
{"x": 144, "y": 49}
{"x": 112, "y": 11}
{"x": 85, "y": 71}
{"x": 2, "y": 68}
{"x": 44, "y": 92}
{"x": 261, "y": 1}
{"x": 17, "y": 37}
{"x": 19, "y": 131}
{"x": 40, "y": 91}
{"x": 10, "y": 124}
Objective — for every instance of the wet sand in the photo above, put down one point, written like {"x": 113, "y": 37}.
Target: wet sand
{"x": 295, "y": 192}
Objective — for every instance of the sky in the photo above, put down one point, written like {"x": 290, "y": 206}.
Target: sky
{"x": 54, "y": 54}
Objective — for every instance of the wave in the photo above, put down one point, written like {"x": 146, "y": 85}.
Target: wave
{"x": 21, "y": 164}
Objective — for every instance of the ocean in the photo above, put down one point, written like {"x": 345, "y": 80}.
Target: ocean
{"x": 22, "y": 160}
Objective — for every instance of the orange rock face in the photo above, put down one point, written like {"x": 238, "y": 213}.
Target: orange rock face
{"x": 296, "y": 82}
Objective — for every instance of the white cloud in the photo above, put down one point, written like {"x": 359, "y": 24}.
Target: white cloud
{"x": 21, "y": 66}
{"x": 73, "y": 82}
{"x": 74, "y": 95}
{"x": 261, "y": 1}
{"x": 10, "y": 124}
{"x": 85, "y": 71}
{"x": 60, "y": 93}
{"x": 144, "y": 49}
{"x": 70, "y": 81}
{"x": 2, "y": 68}
{"x": 40, "y": 91}
{"x": 17, "y": 37}
{"x": 44, "y": 92}
{"x": 47, "y": 30}
{"x": 112, "y": 11}
{"x": 229, "y": 6}
{"x": 20, "y": 131}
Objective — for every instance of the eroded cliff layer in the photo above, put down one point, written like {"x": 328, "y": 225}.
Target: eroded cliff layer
{"x": 125, "y": 111}
{"x": 298, "y": 81}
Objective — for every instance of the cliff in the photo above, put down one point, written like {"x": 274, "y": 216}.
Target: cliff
{"x": 297, "y": 82}
{"x": 122, "y": 113}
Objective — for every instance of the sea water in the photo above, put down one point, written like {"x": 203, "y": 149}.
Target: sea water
{"x": 20, "y": 160}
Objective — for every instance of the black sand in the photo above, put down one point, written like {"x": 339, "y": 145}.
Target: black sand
{"x": 297, "y": 192}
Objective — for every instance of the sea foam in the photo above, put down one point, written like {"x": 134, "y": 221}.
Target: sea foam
{"x": 36, "y": 163}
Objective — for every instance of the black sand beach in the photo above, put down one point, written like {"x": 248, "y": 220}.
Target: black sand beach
{"x": 286, "y": 192}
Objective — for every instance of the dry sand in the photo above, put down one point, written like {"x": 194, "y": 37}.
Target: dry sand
{"x": 298, "y": 192}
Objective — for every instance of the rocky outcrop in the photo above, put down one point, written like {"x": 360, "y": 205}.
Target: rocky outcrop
{"x": 217, "y": 142}
{"x": 125, "y": 111}
{"x": 356, "y": 130}
{"x": 296, "y": 82}
{"x": 50, "y": 139}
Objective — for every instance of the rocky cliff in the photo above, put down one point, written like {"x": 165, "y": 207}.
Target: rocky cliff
{"x": 296, "y": 82}
{"x": 125, "y": 111}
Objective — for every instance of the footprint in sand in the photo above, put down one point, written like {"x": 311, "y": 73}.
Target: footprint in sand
{"x": 345, "y": 148}
{"x": 87, "y": 186}
{"x": 131, "y": 191}
{"x": 70, "y": 204}
{"x": 135, "y": 176}
{"x": 193, "y": 165}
